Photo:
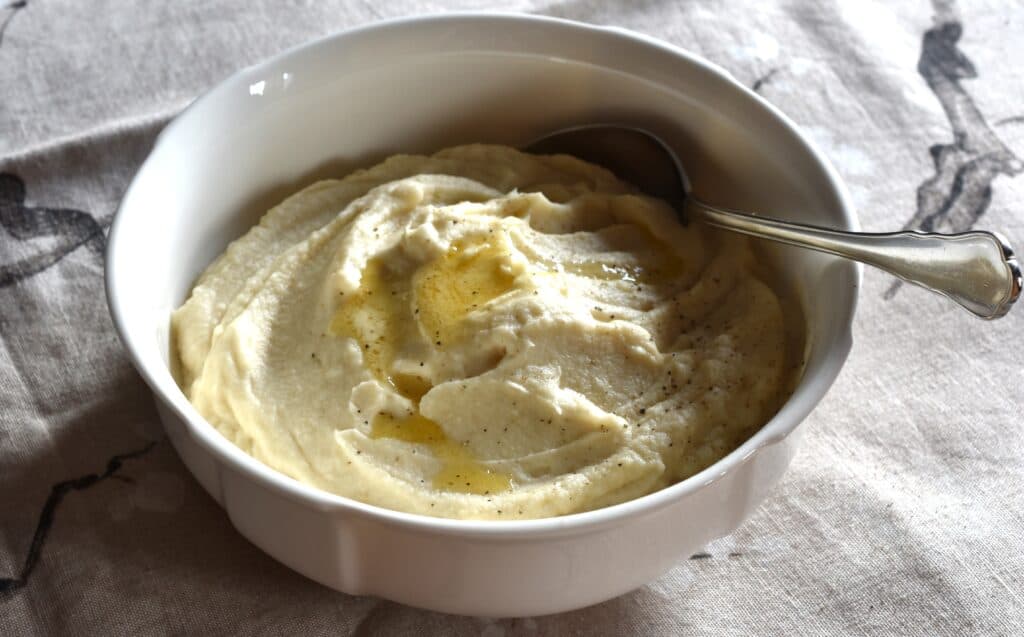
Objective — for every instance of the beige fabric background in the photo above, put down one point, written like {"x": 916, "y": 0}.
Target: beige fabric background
{"x": 902, "y": 514}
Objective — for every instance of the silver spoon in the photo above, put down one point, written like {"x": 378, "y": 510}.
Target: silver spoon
{"x": 976, "y": 269}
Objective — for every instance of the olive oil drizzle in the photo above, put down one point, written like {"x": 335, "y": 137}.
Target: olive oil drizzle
{"x": 659, "y": 265}
{"x": 380, "y": 318}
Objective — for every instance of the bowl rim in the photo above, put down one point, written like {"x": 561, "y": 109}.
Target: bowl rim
{"x": 205, "y": 435}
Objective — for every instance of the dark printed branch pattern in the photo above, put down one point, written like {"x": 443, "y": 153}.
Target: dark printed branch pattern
{"x": 14, "y": 6}
{"x": 39, "y": 237}
{"x": 49, "y": 512}
{"x": 760, "y": 82}
{"x": 958, "y": 194}
{"x": 60, "y": 232}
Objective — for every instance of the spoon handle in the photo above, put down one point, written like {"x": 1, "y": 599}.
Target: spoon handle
{"x": 976, "y": 269}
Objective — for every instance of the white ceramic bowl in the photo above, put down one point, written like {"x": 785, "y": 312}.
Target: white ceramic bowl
{"x": 417, "y": 85}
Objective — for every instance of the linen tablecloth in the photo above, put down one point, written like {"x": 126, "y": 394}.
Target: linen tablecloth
{"x": 902, "y": 513}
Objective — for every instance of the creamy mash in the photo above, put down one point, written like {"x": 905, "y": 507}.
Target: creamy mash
{"x": 484, "y": 334}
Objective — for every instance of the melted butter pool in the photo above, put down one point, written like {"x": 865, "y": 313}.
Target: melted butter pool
{"x": 464, "y": 279}
{"x": 656, "y": 264}
{"x": 380, "y": 318}
{"x": 460, "y": 472}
